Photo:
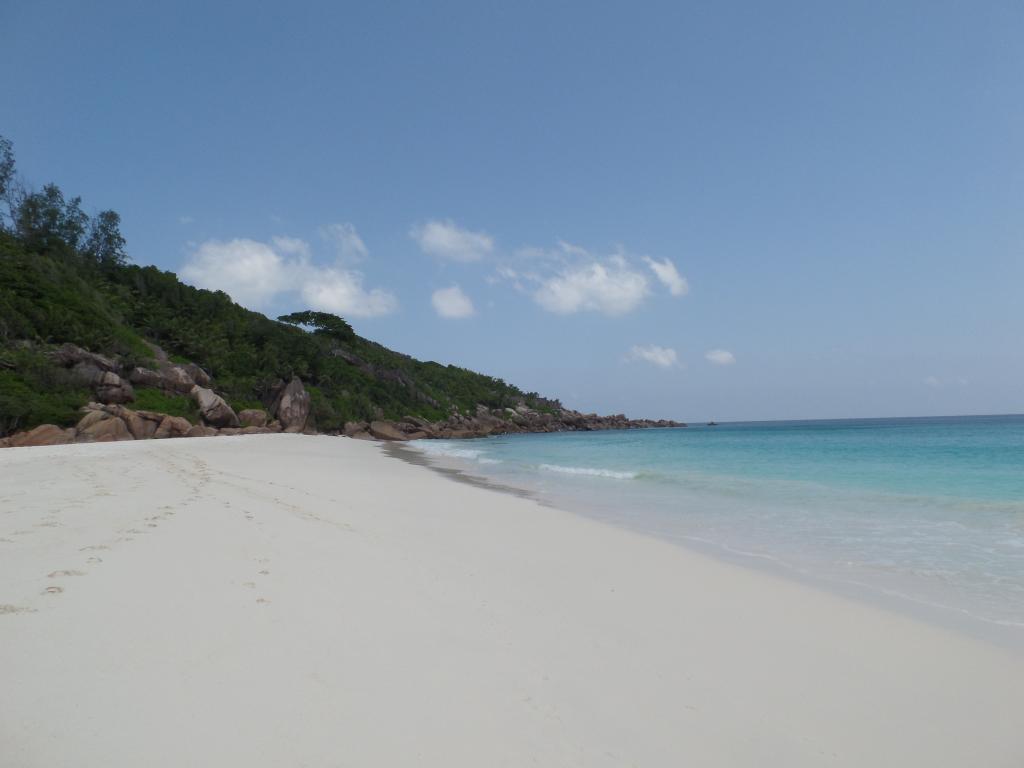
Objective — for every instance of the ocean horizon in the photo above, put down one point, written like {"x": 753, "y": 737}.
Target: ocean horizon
{"x": 925, "y": 514}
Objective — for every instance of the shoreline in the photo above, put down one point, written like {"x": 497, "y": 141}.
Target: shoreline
{"x": 334, "y": 605}
{"x": 1009, "y": 636}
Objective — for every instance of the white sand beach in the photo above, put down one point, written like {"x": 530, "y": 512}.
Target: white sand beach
{"x": 286, "y": 600}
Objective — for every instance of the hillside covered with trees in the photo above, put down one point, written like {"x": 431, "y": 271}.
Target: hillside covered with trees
{"x": 65, "y": 277}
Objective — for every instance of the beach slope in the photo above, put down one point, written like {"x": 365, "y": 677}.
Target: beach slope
{"x": 286, "y": 600}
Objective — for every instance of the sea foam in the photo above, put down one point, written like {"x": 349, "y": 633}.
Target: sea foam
{"x": 592, "y": 471}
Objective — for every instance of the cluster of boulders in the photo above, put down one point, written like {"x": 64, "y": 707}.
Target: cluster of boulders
{"x": 111, "y": 422}
{"x": 100, "y": 373}
{"x": 112, "y": 384}
{"x": 496, "y": 421}
{"x": 108, "y": 419}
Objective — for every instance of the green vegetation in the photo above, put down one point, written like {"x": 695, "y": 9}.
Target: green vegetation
{"x": 149, "y": 399}
{"x": 65, "y": 278}
{"x": 33, "y": 391}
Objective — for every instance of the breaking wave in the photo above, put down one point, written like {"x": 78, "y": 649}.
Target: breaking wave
{"x": 615, "y": 475}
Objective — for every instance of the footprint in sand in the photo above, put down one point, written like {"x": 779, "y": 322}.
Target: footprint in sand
{"x": 53, "y": 590}
{"x": 5, "y": 608}
{"x": 264, "y": 573}
{"x": 262, "y": 601}
{"x": 93, "y": 547}
{"x": 57, "y": 574}
{"x": 249, "y": 584}
{"x": 94, "y": 560}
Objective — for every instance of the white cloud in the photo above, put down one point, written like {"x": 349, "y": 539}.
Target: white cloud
{"x": 452, "y": 303}
{"x": 720, "y": 357}
{"x": 446, "y": 240}
{"x": 346, "y": 241}
{"x": 568, "y": 278}
{"x": 611, "y": 287}
{"x": 341, "y": 291}
{"x": 667, "y": 273}
{"x": 933, "y": 381}
{"x": 252, "y": 273}
{"x": 292, "y": 246}
{"x": 664, "y": 357}
{"x": 258, "y": 275}
{"x": 572, "y": 250}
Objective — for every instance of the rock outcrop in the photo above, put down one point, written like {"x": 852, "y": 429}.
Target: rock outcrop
{"x": 176, "y": 379}
{"x": 253, "y": 417}
{"x": 144, "y": 377}
{"x": 385, "y": 430}
{"x": 197, "y": 374}
{"x": 105, "y": 422}
{"x": 111, "y": 388}
{"x": 214, "y": 409}
{"x": 98, "y": 372}
{"x": 70, "y": 355}
{"x": 171, "y": 377}
{"x": 485, "y": 421}
{"x": 108, "y": 430}
{"x": 353, "y": 428}
{"x": 291, "y": 406}
{"x": 44, "y": 434}
{"x": 172, "y": 426}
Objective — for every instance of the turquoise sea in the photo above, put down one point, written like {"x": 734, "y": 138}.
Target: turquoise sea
{"x": 923, "y": 513}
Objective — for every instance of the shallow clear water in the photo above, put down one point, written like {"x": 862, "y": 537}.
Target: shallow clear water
{"x": 925, "y": 512}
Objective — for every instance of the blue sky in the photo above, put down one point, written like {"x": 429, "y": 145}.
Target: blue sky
{"x": 713, "y": 210}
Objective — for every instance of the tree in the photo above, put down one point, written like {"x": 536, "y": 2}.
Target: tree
{"x": 105, "y": 243}
{"x": 9, "y": 188}
{"x": 6, "y": 164}
{"x": 44, "y": 220}
{"x": 6, "y": 171}
{"x": 322, "y": 323}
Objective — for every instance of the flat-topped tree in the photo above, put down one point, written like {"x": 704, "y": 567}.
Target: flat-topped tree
{"x": 322, "y": 323}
